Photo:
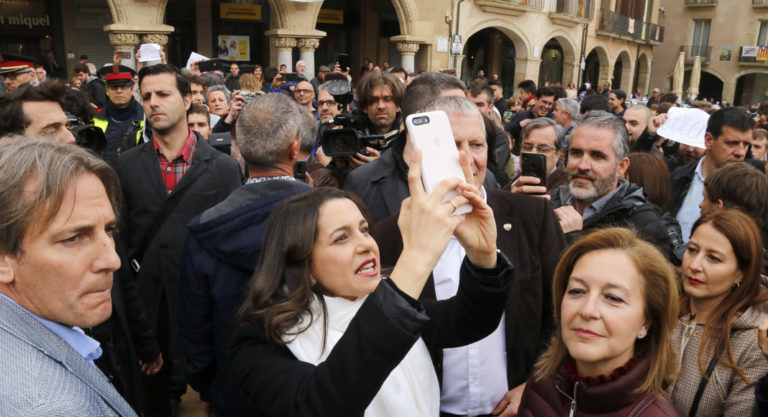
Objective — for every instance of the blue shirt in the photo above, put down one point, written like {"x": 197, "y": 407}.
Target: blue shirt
{"x": 85, "y": 346}
{"x": 690, "y": 211}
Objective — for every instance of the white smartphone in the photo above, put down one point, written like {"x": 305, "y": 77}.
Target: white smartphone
{"x": 431, "y": 132}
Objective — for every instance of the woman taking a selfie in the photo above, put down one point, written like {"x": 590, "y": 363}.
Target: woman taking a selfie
{"x": 722, "y": 306}
{"x": 615, "y": 302}
{"x": 323, "y": 334}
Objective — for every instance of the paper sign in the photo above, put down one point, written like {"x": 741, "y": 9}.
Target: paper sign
{"x": 234, "y": 48}
{"x": 442, "y": 44}
{"x": 150, "y": 52}
{"x": 686, "y": 126}
{"x": 194, "y": 57}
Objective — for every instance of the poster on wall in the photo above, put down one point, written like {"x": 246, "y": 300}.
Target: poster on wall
{"x": 234, "y": 48}
{"x": 725, "y": 52}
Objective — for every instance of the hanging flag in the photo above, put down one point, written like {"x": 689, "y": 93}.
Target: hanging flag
{"x": 762, "y": 54}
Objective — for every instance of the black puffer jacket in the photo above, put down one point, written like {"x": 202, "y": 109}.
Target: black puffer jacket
{"x": 629, "y": 208}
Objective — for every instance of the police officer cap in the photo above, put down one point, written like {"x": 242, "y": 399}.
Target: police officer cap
{"x": 117, "y": 75}
{"x": 10, "y": 63}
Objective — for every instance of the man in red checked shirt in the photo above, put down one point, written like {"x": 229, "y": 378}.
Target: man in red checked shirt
{"x": 166, "y": 182}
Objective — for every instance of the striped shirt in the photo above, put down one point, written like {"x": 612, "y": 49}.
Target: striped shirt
{"x": 172, "y": 171}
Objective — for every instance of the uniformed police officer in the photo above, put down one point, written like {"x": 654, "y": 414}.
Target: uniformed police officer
{"x": 17, "y": 71}
{"x": 122, "y": 119}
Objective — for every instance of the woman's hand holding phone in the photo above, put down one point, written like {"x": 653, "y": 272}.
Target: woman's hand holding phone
{"x": 426, "y": 225}
{"x": 477, "y": 233}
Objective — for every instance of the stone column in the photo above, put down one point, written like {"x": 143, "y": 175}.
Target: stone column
{"x": 307, "y": 48}
{"x": 408, "y": 55}
{"x": 284, "y": 48}
{"x": 125, "y": 42}
{"x": 158, "y": 38}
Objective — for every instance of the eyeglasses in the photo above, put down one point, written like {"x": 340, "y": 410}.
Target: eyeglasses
{"x": 303, "y": 91}
{"x": 321, "y": 103}
{"x": 12, "y": 76}
{"x": 528, "y": 147}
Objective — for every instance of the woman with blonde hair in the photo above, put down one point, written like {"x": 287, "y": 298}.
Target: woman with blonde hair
{"x": 722, "y": 306}
{"x": 615, "y": 302}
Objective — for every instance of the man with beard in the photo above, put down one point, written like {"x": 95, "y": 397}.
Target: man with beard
{"x": 597, "y": 195}
{"x": 122, "y": 119}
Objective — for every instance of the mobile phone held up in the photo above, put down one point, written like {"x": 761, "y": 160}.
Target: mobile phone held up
{"x": 535, "y": 165}
{"x": 431, "y": 132}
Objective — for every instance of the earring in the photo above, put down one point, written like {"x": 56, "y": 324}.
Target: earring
{"x": 736, "y": 285}
{"x": 641, "y": 334}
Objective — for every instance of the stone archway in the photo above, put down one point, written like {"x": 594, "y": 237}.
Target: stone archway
{"x": 523, "y": 68}
{"x": 622, "y": 72}
{"x": 597, "y": 67}
{"x": 493, "y": 52}
{"x": 407, "y": 14}
{"x": 569, "y": 58}
{"x": 642, "y": 73}
{"x": 750, "y": 88}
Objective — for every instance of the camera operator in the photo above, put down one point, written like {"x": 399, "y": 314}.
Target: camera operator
{"x": 378, "y": 98}
{"x": 363, "y": 135}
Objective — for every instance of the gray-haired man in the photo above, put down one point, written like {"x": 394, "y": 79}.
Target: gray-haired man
{"x": 597, "y": 195}
{"x": 224, "y": 245}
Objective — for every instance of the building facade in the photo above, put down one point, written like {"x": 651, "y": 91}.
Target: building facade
{"x": 555, "y": 41}
{"x": 727, "y": 35}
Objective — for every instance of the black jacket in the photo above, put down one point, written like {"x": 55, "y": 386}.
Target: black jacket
{"x": 628, "y": 207}
{"x": 680, "y": 182}
{"x": 379, "y": 336}
{"x": 221, "y": 253}
{"x": 209, "y": 180}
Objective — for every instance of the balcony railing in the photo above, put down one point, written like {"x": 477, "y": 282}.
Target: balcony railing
{"x": 576, "y": 8}
{"x": 701, "y": 2}
{"x": 618, "y": 25}
{"x": 692, "y": 51}
{"x": 756, "y": 55}
{"x": 653, "y": 33}
{"x": 760, "y": 3}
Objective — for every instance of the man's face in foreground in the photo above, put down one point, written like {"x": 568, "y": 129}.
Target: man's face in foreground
{"x": 64, "y": 271}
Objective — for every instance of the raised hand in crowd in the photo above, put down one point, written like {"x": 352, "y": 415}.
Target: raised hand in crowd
{"x": 238, "y": 102}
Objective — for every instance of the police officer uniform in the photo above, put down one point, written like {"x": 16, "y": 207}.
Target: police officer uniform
{"x": 13, "y": 65}
{"x": 122, "y": 125}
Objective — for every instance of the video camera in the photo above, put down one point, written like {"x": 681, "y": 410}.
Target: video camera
{"x": 86, "y": 135}
{"x": 348, "y": 140}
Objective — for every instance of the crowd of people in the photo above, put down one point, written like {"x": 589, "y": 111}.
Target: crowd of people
{"x": 267, "y": 240}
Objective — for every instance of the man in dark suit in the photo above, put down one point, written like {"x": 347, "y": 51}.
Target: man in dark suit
{"x": 59, "y": 208}
{"x": 166, "y": 182}
{"x": 528, "y": 233}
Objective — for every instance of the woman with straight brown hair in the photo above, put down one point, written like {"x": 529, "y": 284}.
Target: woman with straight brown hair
{"x": 615, "y": 301}
{"x": 723, "y": 304}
